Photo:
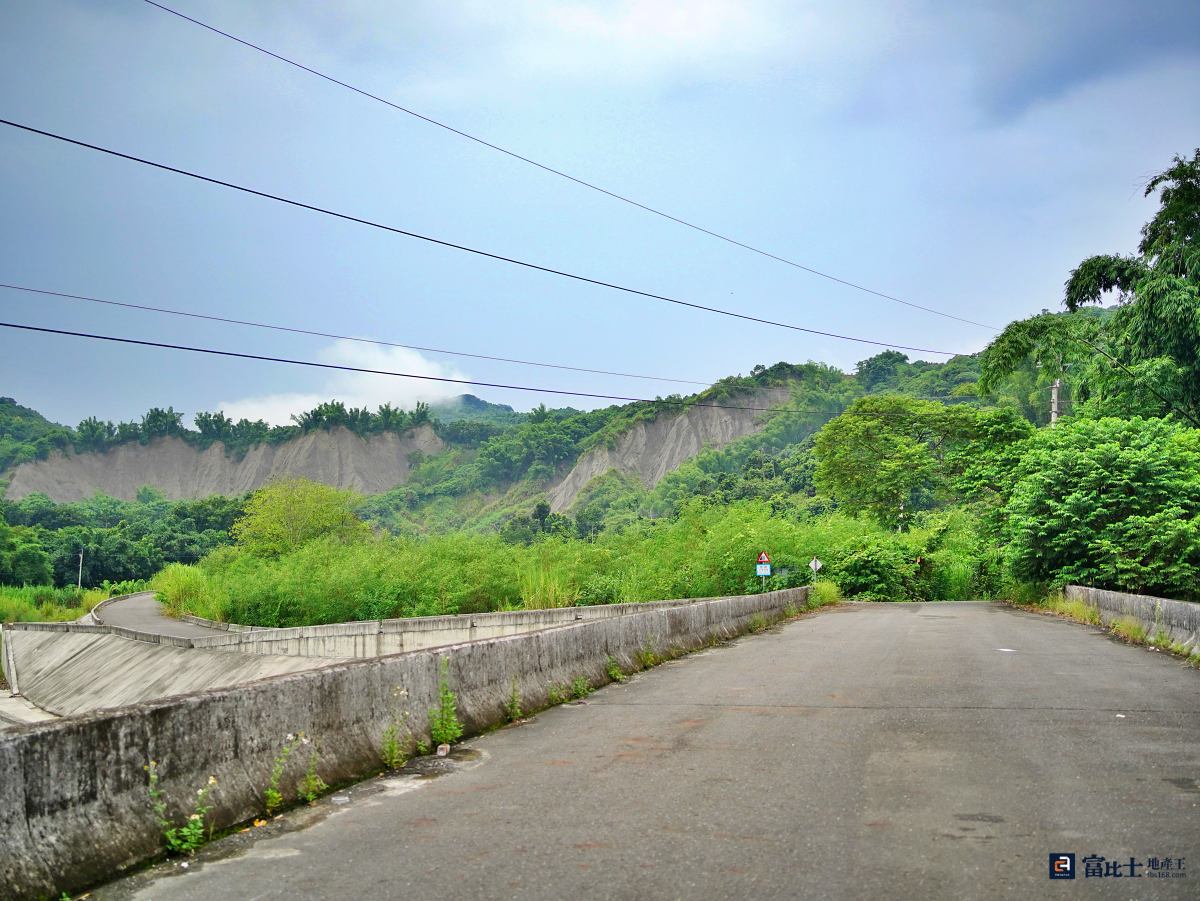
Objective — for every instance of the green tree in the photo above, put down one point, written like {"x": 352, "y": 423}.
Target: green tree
{"x": 1109, "y": 502}
{"x": 287, "y": 513}
{"x": 94, "y": 435}
{"x": 391, "y": 419}
{"x": 1154, "y": 331}
{"x": 880, "y": 369}
{"x": 883, "y": 455}
{"x": 213, "y": 426}
{"x": 158, "y": 423}
{"x": 420, "y": 414}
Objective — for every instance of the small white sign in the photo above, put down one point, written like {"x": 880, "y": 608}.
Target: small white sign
{"x": 814, "y": 564}
{"x": 762, "y": 569}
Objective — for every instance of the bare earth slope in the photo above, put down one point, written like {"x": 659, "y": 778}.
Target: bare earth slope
{"x": 337, "y": 457}
{"x": 652, "y": 449}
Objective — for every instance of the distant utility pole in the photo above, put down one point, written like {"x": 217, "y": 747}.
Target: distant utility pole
{"x": 1054, "y": 401}
{"x": 79, "y": 584}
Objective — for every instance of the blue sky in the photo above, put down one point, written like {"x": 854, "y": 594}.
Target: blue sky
{"x": 964, "y": 156}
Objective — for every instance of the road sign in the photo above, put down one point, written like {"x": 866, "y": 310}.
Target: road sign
{"x": 764, "y": 557}
{"x": 814, "y": 565}
{"x": 762, "y": 569}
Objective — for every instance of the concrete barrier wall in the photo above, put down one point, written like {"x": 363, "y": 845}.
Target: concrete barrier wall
{"x": 214, "y": 624}
{"x": 73, "y": 804}
{"x": 374, "y": 638}
{"x": 1180, "y": 620}
{"x": 97, "y": 613}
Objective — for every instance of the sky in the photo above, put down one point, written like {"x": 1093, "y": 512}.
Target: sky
{"x": 961, "y": 156}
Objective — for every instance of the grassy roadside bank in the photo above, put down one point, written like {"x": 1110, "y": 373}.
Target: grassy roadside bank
{"x": 1124, "y": 628}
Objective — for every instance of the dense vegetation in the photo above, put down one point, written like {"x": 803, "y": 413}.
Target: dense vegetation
{"x": 40, "y": 541}
{"x": 26, "y": 435}
{"x": 910, "y": 480}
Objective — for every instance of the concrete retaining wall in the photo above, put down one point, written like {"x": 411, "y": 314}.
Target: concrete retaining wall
{"x": 73, "y": 803}
{"x": 374, "y": 638}
{"x": 1180, "y": 620}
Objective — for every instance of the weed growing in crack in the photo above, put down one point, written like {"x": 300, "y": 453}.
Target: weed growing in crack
{"x": 273, "y": 797}
{"x": 390, "y": 752}
{"x": 581, "y": 688}
{"x": 613, "y": 670}
{"x": 512, "y": 706}
{"x": 647, "y": 656}
{"x": 1129, "y": 629}
{"x": 444, "y": 725}
{"x": 397, "y": 738}
{"x": 312, "y": 786}
{"x": 556, "y": 694}
{"x": 192, "y": 834}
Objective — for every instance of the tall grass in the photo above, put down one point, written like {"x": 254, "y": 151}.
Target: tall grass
{"x": 544, "y": 588}
{"x": 705, "y": 552}
{"x": 44, "y": 603}
{"x": 184, "y": 589}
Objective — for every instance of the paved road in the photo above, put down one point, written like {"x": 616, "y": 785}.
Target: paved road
{"x": 143, "y": 613}
{"x": 898, "y": 751}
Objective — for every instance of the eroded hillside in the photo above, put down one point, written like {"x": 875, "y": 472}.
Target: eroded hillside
{"x": 335, "y": 457}
{"x": 651, "y": 449}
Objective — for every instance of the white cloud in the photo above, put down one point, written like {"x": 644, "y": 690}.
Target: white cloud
{"x": 474, "y": 46}
{"x": 639, "y": 40}
{"x": 355, "y": 389}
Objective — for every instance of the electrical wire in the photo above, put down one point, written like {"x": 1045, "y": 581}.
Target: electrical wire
{"x": 429, "y": 378}
{"x": 462, "y": 247}
{"x": 380, "y": 342}
{"x": 561, "y": 174}
{"x": 376, "y": 341}
{"x": 1139, "y": 379}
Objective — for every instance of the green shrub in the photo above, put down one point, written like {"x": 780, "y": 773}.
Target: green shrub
{"x": 601, "y": 588}
{"x": 1109, "y": 502}
{"x": 183, "y": 589}
{"x": 822, "y": 593}
{"x": 875, "y": 568}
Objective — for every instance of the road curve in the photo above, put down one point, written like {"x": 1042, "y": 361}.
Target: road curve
{"x": 887, "y": 750}
{"x": 143, "y": 613}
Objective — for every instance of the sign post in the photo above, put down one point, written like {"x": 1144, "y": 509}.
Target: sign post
{"x": 763, "y": 568}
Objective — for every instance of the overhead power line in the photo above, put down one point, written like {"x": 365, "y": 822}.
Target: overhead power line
{"x": 1171, "y": 405}
{"x": 377, "y": 341}
{"x": 427, "y": 378}
{"x": 561, "y": 174}
{"x": 462, "y": 247}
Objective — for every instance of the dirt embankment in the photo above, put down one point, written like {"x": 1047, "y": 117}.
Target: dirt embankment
{"x": 652, "y": 449}
{"x": 337, "y": 457}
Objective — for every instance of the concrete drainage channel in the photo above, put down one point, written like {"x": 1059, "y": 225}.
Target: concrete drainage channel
{"x": 74, "y": 808}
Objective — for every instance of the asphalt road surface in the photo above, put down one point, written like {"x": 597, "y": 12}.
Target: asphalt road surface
{"x": 143, "y": 613}
{"x": 870, "y": 751}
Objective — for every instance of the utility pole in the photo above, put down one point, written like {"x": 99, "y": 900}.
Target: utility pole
{"x": 79, "y": 584}
{"x": 1054, "y": 401}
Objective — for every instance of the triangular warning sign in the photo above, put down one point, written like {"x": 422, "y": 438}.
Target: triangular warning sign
{"x": 763, "y": 558}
